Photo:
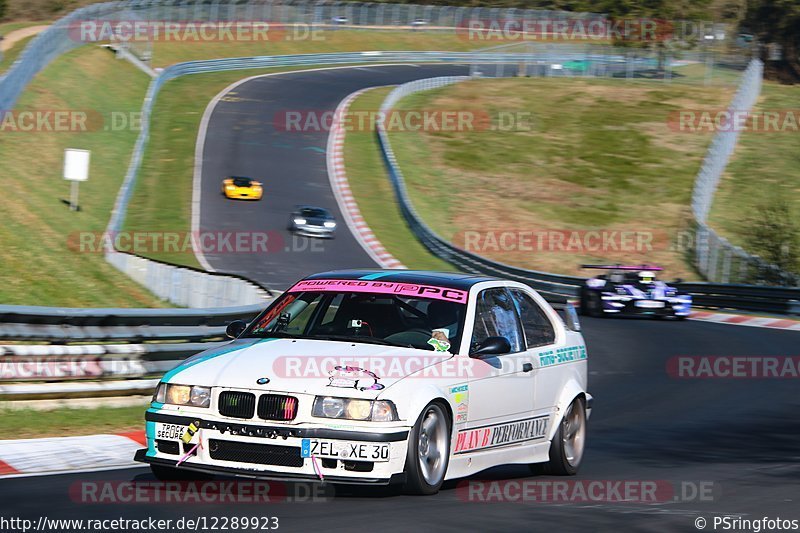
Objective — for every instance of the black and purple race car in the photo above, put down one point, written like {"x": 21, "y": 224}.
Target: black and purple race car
{"x": 632, "y": 290}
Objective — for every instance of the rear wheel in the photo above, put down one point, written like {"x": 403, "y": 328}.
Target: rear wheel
{"x": 566, "y": 450}
{"x": 428, "y": 451}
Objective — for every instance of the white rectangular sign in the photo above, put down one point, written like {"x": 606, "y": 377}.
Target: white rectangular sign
{"x": 76, "y": 164}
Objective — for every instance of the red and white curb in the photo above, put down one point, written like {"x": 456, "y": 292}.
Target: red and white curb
{"x": 746, "y": 320}
{"x": 26, "y": 457}
{"x": 344, "y": 196}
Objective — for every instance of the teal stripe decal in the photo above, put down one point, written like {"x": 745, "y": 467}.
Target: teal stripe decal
{"x": 150, "y": 433}
{"x": 211, "y": 355}
{"x": 376, "y": 275}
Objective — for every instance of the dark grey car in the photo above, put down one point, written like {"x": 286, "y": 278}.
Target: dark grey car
{"x": 312, "y": 221}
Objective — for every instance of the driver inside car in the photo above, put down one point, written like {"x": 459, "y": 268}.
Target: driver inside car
{"x": 439, "y": 315}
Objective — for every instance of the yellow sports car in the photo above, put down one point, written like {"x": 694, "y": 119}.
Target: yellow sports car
{"x": 240, "y": 188}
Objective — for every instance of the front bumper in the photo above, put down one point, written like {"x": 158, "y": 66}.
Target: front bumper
{"x": 667, "y": 307}
{"x": 314, "y": 231}
{"x": 273, "y": 451}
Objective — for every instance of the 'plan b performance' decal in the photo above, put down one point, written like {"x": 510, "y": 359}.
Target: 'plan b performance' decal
{"x": 486, "y": 437}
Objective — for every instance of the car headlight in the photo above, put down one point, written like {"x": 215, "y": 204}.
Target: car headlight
{"x": 230, "y": 187}
{"x": 383, "y": 411}
{"x": 354, "y": 409}
{"x": 194, "y": 396}
{"x": 299, "y": 221}
{"x": 330, "y": 225}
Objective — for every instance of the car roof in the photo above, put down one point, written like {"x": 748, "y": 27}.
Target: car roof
{"x": 453, "y": 280}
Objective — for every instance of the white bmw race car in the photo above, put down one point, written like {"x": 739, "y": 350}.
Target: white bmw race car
{"x": 378, "y": 377}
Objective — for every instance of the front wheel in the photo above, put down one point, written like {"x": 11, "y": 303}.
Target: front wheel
{"x": 428, "y": 451}
{"x": 566, "y": 450}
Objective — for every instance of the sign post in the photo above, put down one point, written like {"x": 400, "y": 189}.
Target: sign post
{"x": 76, "y": 169}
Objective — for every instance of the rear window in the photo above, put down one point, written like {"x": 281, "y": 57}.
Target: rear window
{"x": 242, "y": 182}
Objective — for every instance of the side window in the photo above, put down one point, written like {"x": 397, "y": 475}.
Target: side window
{"x": 301, "y": 314}
{"x": 495, "y": 316}
{"x": 538, "y": 328}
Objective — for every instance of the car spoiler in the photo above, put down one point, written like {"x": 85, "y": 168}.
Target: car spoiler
{"x": 624, "y": 267}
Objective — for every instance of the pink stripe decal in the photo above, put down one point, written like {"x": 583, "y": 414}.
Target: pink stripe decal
{"x": 382, "y": 287}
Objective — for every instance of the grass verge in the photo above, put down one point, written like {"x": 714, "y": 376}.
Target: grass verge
{"x": 11, "y": 55}
{"x": 168, "y": 53}
{"x": 39, "y": 266}
{"x": 594, "y": 155}
{"x": 374, "y": 194}
{"x": 65, "y": 422}
{"x": 763, "y": 169}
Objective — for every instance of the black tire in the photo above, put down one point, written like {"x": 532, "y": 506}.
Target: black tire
{"x": 594, "y": 304}
{"x": 168, "y": 473}
{"x": 583, "y": 308}
{"x": 562, "y": 463}
{"x": 417, "y": 482}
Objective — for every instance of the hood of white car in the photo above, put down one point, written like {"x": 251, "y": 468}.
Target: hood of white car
{"x": 304, "y": 366}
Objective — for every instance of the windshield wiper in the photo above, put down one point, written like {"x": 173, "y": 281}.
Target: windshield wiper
{"x": 359, "y": 338}
{"x": 273, "y": 334}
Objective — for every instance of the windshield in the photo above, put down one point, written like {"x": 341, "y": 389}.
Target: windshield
{"x": 369, "y": 317}
{"x": 314, "y": 212}
{"x": 242, "y": 182}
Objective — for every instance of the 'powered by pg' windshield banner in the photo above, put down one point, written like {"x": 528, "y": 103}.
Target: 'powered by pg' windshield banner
{"x": 382, "y": 287}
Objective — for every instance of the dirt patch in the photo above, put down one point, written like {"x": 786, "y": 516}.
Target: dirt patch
{"x": 13, "y": 37}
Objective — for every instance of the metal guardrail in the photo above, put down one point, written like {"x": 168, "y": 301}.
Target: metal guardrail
{"x": 64, "y": 326}
{"x": 102, "y": 352}
{"x": 715, "y": 257}
{"x": 554, "y": 287}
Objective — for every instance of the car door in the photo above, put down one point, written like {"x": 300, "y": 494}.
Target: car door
{"x": 540, "y": 341}
{"x": 500, "y": 389}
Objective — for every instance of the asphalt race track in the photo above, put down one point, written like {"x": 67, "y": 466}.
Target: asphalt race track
{"x": 740, "y": 437}
{"x": 242, "y": 139}
{"x": 720, "y": 446}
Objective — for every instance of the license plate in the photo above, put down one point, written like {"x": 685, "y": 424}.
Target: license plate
{"x": 169, "y": 431}
{"x": 348, "y": 451}
{"x": 649, "y": 304}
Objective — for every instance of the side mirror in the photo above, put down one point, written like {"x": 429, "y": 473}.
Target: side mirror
{"x": 571, "y": 319}
{"x": 235, "y": 328}
{"x": 678, "y": 280}
{"x": 491, "y": 346}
